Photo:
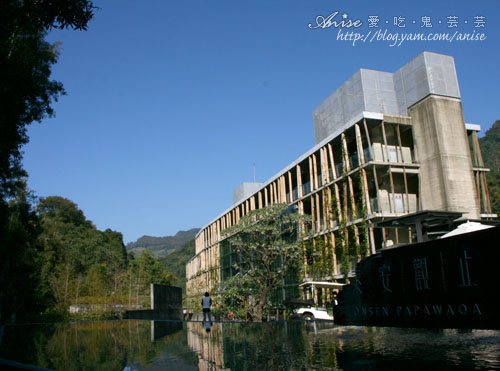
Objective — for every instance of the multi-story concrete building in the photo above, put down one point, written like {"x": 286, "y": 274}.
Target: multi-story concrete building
{"x": 387, "y": 145}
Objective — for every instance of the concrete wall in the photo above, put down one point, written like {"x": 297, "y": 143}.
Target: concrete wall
{"x": 245, "y": 190}
{"x": 446, "y": 177}
{"x": 165, "y": 297}
{"x": 166, "y": 303}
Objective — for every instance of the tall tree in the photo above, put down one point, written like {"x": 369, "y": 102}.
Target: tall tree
{"x": 26, "y": 91}
{"x": 268, "y": 243}
{"x": 19, "y": 227}
{"x": 76, "y": 258}
{"x": 26, "y": 95}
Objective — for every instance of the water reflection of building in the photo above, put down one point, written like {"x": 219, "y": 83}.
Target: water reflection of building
{"x": 387, "y": 145}
{"x": 207, "y": 345}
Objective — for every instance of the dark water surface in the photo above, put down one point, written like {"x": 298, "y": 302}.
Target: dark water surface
{"x": 168, "y": 345}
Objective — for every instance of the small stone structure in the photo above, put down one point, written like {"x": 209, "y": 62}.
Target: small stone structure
{"x": 166, "y": 303}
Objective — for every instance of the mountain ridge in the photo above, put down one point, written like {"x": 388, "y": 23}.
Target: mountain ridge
{"x": 161, "y": 246}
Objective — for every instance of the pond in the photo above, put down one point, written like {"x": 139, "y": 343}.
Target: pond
{"x": 175, "y": 345}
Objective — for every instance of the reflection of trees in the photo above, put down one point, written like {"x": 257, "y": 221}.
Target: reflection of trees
{"x": 109, "y": 345}
{"x": 112, "y": 345}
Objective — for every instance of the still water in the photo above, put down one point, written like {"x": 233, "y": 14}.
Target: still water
{"x": 169, "y": 345}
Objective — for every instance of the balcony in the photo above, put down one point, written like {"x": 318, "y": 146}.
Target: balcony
{"x": 397, "y": 203}
{"x": 394, "y": 154}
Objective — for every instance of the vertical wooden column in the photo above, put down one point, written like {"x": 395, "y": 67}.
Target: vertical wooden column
{"x": 311, "y": 179}
{"x": 278, "y": 189}
{"x": 318, "y": 211}
{"x": 329, "y": 214}
{"x": 314, "y": 173}
{"x": 372, "y": 240}
{"x": 340, "y": 212}
{"x": 359, "y": 145}
{"x": 283, "y": 189}
{"x": 351, "y": 198}
{"x": 400, "y": 146}
{"x": 299, "y": 182}
{"x": 368, "y": 139}
{"x": 379, "y": 202}
{"x": 334, "y": 256}
{"x": 219, "y": 223}
{"x": 332, "y": 162}
{"x": 325, "y": 205}
{"x": 384, "y": 137}
{"x": 324, "y": 165}
{"x": 345, "y": 154}
{"x": 366, "y": 195}
{"x": 393, "y": 203}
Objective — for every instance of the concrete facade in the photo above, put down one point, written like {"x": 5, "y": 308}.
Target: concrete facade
{"x": 387, "y": 145}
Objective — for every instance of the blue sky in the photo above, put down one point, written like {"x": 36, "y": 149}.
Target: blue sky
{"x": 171, "y": 104}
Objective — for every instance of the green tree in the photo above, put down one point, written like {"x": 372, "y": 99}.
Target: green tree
{"x": 77, "y": 259}
{"x": 26, "y": 91}
{"x": 176, "y": 262}
{"x": 237, "y": 291}
{"x": 19, "y": 230}
{"x": 26, "y": 95}
{"x": 268, "y": 242}
{"x": 490, "y": 149}
{"x": 145, "y": 269}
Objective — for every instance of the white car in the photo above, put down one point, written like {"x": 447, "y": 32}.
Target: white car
{"x": 309, "y": 314}
{"x": 308, "y": 309}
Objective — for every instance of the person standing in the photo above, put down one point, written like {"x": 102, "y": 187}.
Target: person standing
{"x": 206, "y": 302}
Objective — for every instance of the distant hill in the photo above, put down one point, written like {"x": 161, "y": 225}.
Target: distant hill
{"x": 490, "y": 149}
{"x": 162, "y": 246}
{"x": 176, "y": 262}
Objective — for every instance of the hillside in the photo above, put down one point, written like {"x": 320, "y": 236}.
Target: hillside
{"x": 490, "y": 149}
{"x": 176, "y": 262}
{"x": 162, "y": 246}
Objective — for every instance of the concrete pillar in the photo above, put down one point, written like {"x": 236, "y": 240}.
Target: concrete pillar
{"x": 446, "y": 177}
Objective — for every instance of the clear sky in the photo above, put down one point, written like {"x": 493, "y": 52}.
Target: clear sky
{"x": 171, "y": 104}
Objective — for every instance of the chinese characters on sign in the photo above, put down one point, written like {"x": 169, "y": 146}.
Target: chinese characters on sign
{"x": 421, "y": 275}
{"x": 385, "y": 276}
{"x": 464, "y": 270}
